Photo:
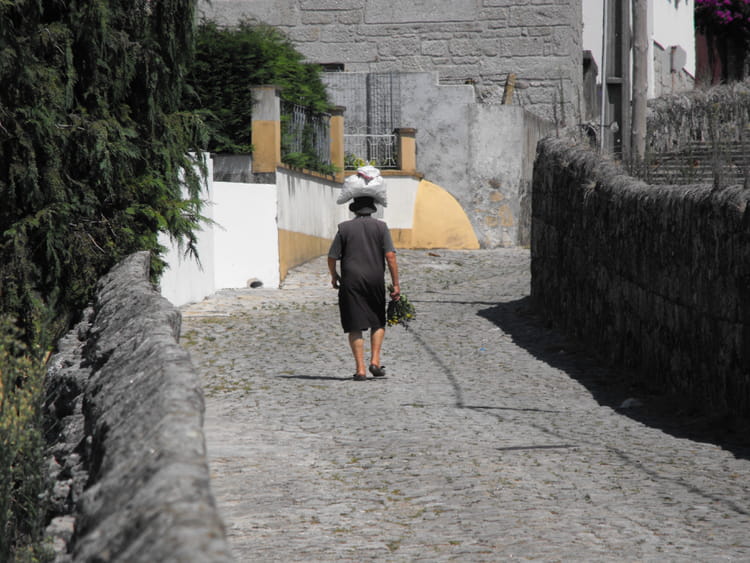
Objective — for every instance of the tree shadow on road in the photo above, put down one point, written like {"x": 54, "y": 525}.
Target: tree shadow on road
{"x": 612, "y": 386}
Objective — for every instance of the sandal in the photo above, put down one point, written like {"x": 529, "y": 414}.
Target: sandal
{"x": 358, "y": 377}
{"x": 377, "y": 371}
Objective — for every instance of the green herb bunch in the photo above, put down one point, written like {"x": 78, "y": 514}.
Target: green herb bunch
{"x": 400, "y": 311}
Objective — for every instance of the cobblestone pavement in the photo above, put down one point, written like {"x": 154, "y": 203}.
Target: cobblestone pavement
{"x": 490, "y": 439}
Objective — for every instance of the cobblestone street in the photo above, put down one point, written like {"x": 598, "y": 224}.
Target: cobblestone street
{"x": 491, "y": 438}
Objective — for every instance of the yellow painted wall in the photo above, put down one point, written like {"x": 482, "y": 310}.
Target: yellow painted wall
{"x": 401, "y": 238}
{"x": 298, "y": 248}
{"x": 266, "y": 137}
{"x": 440, "y": 221}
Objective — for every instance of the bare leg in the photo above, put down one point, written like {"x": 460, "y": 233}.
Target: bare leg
{"x": 358, "y": 350}
{"x": 376, "y": 343}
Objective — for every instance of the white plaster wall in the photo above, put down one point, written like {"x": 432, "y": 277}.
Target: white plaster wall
{"x": 246, "y": 235}
{"x": 440, "y": 115}
{"x": 308, "y": 205}
{"x": 402, "y": 195}
{"x": 185, "y": 281}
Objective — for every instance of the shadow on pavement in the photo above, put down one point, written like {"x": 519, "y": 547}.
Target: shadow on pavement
{"x": 317, "y": 377}
{"x": 614, "y": 387}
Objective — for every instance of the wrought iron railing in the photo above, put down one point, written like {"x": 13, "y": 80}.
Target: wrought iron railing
{"x": 305, "y": 137}
{"x": 381, "y": 150}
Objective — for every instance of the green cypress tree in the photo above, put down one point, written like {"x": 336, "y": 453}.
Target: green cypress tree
{"x": 94, "y": 148}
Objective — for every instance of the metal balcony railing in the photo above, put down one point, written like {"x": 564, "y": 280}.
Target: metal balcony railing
{"x": 381, "y": 150}
{"x": 305, "y": 134}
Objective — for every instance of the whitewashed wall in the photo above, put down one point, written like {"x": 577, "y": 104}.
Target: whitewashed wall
{"x": 241, "y": 246}
{"x": 672, "y": 22}
{"x": 185, "y": 281}
{"x": 402, "y": 195}
{"x": 308, "y": 205}
{"x": 246, "y": 237}
{"x": 243, "y": 243}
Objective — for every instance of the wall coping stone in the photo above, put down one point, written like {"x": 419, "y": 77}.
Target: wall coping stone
{"x": 125, "y": 419}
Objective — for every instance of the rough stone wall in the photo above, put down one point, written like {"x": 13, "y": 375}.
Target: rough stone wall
{"x": 656, "y": 278}
{"x": 477, "y": 42}
{"x": 125, "y": 415}
{"x": 502, "y": 145}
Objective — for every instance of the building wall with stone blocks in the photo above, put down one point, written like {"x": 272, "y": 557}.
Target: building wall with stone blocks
{"x": 654, "y": 278}
{"x": 477, "y": 42}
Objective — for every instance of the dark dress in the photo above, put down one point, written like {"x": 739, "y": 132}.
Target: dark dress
{"x": 361, "y": 245}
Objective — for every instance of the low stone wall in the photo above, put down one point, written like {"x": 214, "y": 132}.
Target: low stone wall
{"x": 125, "y": 416}
{"x": 655, "y": 278}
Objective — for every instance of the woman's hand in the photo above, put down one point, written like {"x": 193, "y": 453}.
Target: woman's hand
{"x": 335, "y": 278}
{"x": 395, "y": 292}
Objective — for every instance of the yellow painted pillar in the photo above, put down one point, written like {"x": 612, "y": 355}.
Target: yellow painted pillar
{"x": 266, "y": 128}
{"x": 337, "y": 140}
{"x": 407, "y": 149}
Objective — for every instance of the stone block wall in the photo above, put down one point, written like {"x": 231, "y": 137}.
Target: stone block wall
{"x": 654, "y": 278}
{"x": 125, "y": 423}
{"x": 475, "y": 42}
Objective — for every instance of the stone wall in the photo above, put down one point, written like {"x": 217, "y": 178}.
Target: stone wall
{"x": 476, "y": 42}
{"x": 502, "y": 147}
{"x": 125, "y": 416}
{"x": 654, "y": 278}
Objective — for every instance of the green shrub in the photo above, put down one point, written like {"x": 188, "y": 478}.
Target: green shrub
{"x": 94, "y": 144}
{"x": 95, "y": 161}
{"x": 22, "y": 481}
{"x": 229, "y": 61}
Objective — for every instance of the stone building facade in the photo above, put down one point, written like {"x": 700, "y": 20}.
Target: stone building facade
{"x": 441, "y": 67}
{"x": 477, "y": 42}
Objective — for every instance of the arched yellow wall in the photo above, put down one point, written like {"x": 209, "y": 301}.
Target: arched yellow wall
{"x": 439, "y": 221}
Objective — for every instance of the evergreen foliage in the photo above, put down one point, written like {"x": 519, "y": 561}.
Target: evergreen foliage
{"x": 95, "y": 161}
{"x": 228, "y": 61}
{"x": 21, "y": 447}
{"x": 94, "y": 147}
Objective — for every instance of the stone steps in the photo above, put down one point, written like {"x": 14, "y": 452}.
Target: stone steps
{"x": 695, "y": 164}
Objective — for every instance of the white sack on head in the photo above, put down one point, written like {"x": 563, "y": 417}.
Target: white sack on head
{"x": 366, "y": 183}
{"x": 368, "y": 172}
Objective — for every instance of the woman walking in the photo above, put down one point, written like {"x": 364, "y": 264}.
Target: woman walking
{"x": 364, "y": 246}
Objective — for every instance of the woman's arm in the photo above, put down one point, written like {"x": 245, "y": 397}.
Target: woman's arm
{"x": 390, "y": 259}
{"x": 332, "y": 270}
